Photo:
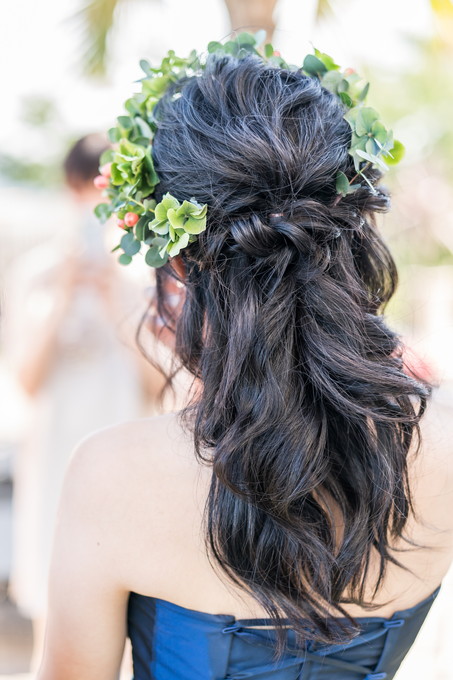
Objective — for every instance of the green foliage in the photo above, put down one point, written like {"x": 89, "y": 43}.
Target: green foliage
{"x": 170, "y": 226}
{"x": 372, "y": 144}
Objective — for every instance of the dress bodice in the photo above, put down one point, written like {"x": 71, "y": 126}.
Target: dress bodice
{"x": 170, "y": 642}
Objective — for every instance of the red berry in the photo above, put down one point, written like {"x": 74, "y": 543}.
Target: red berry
{"x": 106, "y": 170}
{"x": 101, "y": 182}
{"x": 349, "y": 71}
{"x": 121, "y": 224}
{"x": 277, "y": 53}
{"x": 130, "y": 219}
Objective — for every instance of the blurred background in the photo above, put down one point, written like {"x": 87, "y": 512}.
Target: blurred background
{"x": 66, "y": 67}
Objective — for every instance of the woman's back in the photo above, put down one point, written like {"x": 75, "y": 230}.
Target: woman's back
{"x": 185, "y": 621}
{"x": 165, "y": 490}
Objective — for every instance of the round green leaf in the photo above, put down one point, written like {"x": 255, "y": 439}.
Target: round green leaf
{"x": 103, "y": 211}
{"x": 342, "y": 184}
{"x": 129, "y": 244}
{"x": 124, "y": 259}
{"x": 313, "y": 66}
{"x": 114, "y": 135}
{"x": 106, "y": 157}
{"x": 153, "y": 259}
{"x": 395, "y": 154}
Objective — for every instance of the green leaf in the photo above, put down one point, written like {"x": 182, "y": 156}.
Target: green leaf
{"x": 153, "y": 258}
{"x": 362, "y": 96}
{"x": 313, "y": 66}
{"x": 346, "y": 99}
{"x": 342, "y": 184}
{"x": 194, "y": 225}
{"x": 106, "y": 157}
{"x": 247, "y": 38}
{"x": 268, "y": 51}
{"x": 351, "y": 116}
{"x": 380, "y": 132}
{"x": 125, "y": 122}
{"x": 331, "y": 80}
{"x": 140, "y": 227}
{"x": 176, "y": 218}
{"x": 103, "y": 211}
{"x": 158, "y": 241}
{"x": 114, "y": 135}
{"x": 144, "y": 127}
{"x": 131, "y": 106}
{"x": 365, "y": 119}
{"x": 371, "y": 158}
{"x": 159, "y": 227}
{"x": 371, "y": 147}
{"x": 395, "y": 154}
{"x": 176, "y": 247}
{"x": 326, "y": 60}
{"x": 145, "y": 66}
{"x": 162, "y": 208}
{"x": 150, "y": 204}
{"x": 129, "y": 244}
{"x": 214, "y": 46}
{"x": 124, "y": 259}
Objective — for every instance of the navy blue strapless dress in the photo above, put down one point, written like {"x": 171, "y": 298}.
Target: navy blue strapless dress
{"x": 170, "y": 642}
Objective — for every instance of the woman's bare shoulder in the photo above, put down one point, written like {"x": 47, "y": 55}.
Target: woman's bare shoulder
{"x": 124, "y": 469}
{"x": 159, "y": 443}
{"x": 129, "y": 476}
{"x": 431, "y": 470}
{"x": 436, "y": 427}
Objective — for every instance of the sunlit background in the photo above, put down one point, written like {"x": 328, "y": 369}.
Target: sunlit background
{"x": 66, "y": 68}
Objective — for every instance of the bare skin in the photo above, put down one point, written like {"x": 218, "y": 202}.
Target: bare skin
{"x": 130, "y": 520}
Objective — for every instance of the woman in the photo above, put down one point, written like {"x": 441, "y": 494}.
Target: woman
{"x": 293, "y": 488}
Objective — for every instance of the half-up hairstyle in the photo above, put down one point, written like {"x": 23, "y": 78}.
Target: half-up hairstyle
{"x": 303, "y": 398}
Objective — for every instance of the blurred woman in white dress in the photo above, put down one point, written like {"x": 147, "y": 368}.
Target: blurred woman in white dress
{"x": 69, "y": 327}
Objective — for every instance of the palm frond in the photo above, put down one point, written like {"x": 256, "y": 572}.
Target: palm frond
{"x": 94, "y": 21}
{"x": 324, "y": 9}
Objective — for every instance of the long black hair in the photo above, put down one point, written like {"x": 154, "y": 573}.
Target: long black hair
{"x": 303, "y": 398}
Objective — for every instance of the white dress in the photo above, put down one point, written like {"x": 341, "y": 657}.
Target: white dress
{"x": 94, "y": 382}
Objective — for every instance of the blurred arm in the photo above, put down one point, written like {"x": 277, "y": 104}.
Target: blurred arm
{"x": 86, "y": 626}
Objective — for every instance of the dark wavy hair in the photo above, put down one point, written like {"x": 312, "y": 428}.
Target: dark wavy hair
{"x": 304, "y": 402}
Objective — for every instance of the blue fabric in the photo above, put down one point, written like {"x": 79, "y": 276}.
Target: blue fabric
{"x": 170, "y": 642}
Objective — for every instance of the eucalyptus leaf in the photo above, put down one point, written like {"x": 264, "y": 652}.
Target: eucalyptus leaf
{"x": 106, "y": 157}
{"x": 145, "y": 66}
{"x": 342, "y": 184}
{"x": 153, "y": 258}
{"x": 103, "y": 211}
{"x": 214, "y": 46}
{"x": 125, "y": 122}
{"x": 313, "y": 66}
{"x": 140, "y": 227}
{"x": 364, "y": 92}
{"x": 129, "y": 244}
{"x": 114, "y": 135}
{"x": 124, "y": 259}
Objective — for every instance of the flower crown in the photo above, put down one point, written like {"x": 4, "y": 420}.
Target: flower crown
{"x": 129, "y": 179}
